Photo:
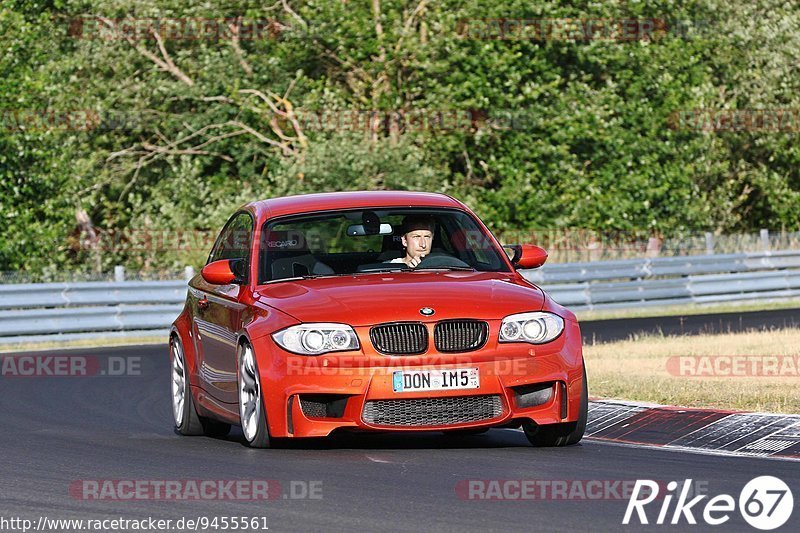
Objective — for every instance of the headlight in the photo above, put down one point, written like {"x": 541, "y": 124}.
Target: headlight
{"x": 535, "y": 328}
{"x": 316, "y": 339}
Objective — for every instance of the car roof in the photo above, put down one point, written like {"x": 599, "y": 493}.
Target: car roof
{"x": 304, "y": 203}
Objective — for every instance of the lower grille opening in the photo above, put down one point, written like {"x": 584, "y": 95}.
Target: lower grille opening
{"x": 533, "y": 395}
{"x": 323, "y": 405}
{"x": 432, "y": 411}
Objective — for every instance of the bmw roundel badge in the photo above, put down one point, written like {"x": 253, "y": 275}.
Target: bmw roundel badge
{"x": 427, "y": 311}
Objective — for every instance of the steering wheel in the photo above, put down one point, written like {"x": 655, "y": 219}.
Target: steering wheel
{"x": 441, "y": 261}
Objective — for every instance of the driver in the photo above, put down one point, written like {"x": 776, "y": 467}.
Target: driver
{"x": 417, "y": 236}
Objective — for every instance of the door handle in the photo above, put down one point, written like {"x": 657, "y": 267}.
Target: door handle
{"x": 202, "y": 303}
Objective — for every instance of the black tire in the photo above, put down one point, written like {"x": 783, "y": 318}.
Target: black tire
{"x": 184, "y": 414}
{"x": 256, "y": 432}
{"x": 565, "y": 434}
{"x": 190, "y": 423}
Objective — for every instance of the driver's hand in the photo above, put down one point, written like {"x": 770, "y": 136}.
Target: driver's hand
{"x": 414, "y": 261}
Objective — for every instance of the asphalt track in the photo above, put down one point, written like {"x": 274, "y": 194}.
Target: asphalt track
{"x": 622, "y": 328}
{"x": 58, "y": 430}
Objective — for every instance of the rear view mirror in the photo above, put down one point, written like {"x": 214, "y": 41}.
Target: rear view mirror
{"x": 528, "y": 255}
{"x": 224, "y": 272}
{"x": 358, "y": 230}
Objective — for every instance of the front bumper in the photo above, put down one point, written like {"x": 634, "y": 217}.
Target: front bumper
{"x": 313, "y": 396}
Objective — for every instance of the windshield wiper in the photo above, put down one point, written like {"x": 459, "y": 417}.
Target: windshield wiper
{"x": 305, "y": 276}
{"x": 466, "y": 269}
{"x": 380, "y": 270}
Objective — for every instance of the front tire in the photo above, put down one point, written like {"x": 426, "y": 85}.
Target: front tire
{"x": 184, "y": 414}
{"x": 565, "y": 434}
{"x": 252, "y": 414}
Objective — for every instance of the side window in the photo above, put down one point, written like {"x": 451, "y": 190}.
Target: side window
{"x": 235, "y": 239}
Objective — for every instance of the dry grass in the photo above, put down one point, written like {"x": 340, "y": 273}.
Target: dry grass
{"x": 685, "y": 310}
{"x": 636, "y": 369}
{"x": 82, "y": 343}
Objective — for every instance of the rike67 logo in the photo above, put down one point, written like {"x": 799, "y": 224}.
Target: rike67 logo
{"x": 765, "y": 503}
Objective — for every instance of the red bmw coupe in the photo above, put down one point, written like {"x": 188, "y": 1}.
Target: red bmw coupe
{"x": 372, "y": 311}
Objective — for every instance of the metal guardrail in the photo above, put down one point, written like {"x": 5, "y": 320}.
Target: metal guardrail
{"x": 671, "y": 280}
{"x": 37, "y": 295}
{"x": 85, "y": 319}
{"x": 30, "y": 312}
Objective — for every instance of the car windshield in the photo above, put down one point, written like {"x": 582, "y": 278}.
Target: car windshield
{"x": 370, "y": 240}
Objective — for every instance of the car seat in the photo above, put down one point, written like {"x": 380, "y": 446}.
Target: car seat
{"x": 288, "y": 256}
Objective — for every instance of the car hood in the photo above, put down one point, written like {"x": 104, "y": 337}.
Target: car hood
{"x": 398, "y": 296}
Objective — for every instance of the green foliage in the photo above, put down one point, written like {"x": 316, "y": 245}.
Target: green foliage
{"x": 559, "y": 133}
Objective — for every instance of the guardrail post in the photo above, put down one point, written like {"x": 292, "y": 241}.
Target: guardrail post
{"x": 188, "y": 273}
{"x": 709, "y": 243}
{"x": 119, "y": 273}
{"x": 765, "y": 240}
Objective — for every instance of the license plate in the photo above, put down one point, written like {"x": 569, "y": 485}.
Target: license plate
{"x": 440, "y": 379}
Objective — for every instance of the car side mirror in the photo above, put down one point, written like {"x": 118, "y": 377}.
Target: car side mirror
{"x": 528, "y": 256}
{"x": 224, "y": 272}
